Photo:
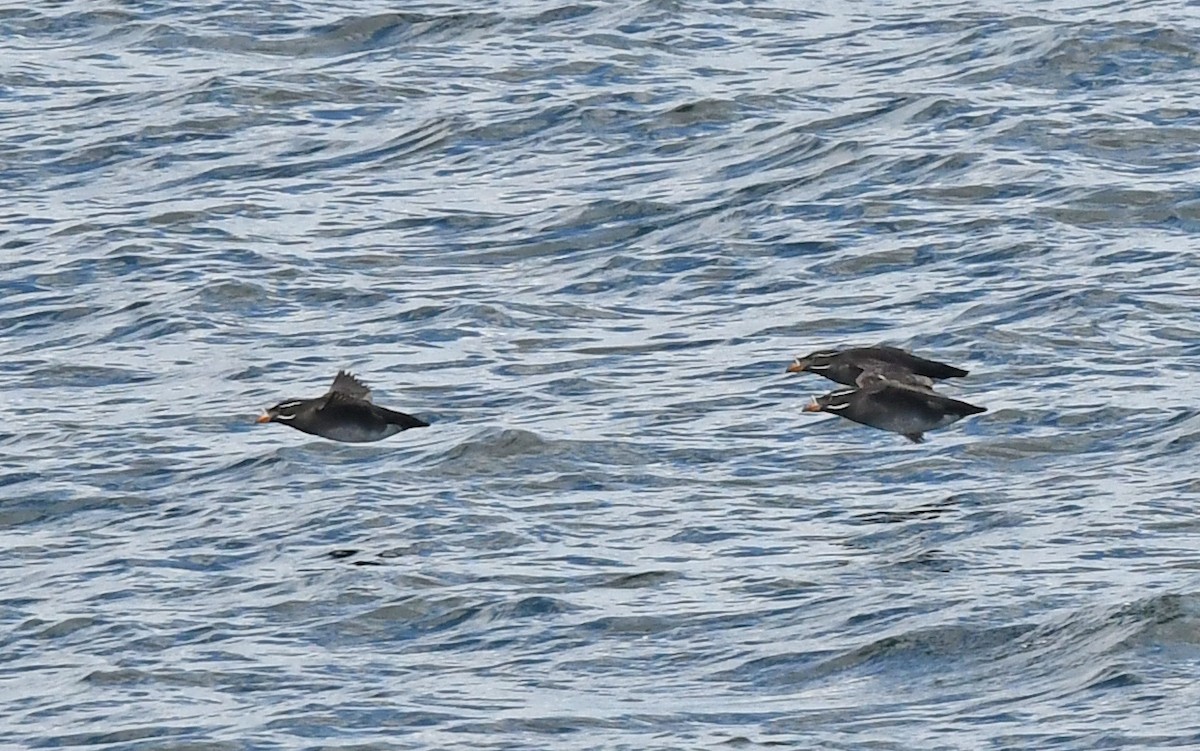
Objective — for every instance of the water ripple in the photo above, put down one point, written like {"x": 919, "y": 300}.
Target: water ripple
{"x": 583, "y": 240}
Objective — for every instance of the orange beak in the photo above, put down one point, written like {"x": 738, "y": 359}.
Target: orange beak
{"x": 264, "y": 417}
{"x": 812, "y": 406}
{"x": 797, "y": 366}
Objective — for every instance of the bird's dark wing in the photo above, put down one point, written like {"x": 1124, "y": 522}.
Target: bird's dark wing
{"x": 399, "y": 418}
{"x": 920, "y": 399}
{"x": 337, "y": 405}
{"x": 342, "y": 400}
{"x": 920, "y": 365}
{"x": 347, "y": 385}
{"x": 875, "y": 372}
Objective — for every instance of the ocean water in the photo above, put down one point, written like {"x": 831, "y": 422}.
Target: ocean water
{"x": 583, "y": 240}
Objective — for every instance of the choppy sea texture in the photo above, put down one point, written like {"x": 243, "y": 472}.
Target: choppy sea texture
{"x": 583, "y": 240}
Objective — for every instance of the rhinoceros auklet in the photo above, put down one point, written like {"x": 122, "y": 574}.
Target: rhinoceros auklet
{"x": 847, "y": 365}
{"x": 901, "y": 407}
{"x": 344, "y": 413}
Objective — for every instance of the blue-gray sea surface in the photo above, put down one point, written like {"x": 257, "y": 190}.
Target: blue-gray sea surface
{"x": 583, "y": 240}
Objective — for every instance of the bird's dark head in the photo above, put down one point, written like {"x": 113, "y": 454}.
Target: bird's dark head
{"x": 282, "y": 412}
{"x": 814, "y": 362}
{"x": 834, "y": 401}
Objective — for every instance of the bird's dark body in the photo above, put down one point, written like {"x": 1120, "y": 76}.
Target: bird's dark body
{"x": 896, "y": 408}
